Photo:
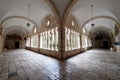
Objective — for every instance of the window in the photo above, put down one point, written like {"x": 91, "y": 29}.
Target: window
{"x": 78, "y": 40}
{"x": 89, "y": 43}
{"x": 69, "y": 41}
{"x": 28, "y": 42}
{"x": 56, "y": 39}
{"x": 53, "y": 38}
{"x": 41, "y": 40}
{"x": 71, "y": 36}
{"x": 49, "y": 39}
{"x": 84, "y": 41}
{"x": 35, "y": 30}
{"x": 66, "y": 41}
{"x": 72, "y": 22}
{"x": 48, "y": 23}
{"x": 34, "y": 41}
{"x": 72, "y": 39}
{"x": 45, "y": 40}
{"x": 83, "y": 30}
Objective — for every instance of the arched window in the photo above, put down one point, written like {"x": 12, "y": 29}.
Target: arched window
{"x": 72, "y": 35}
{"x": 48, "y": 23}
{"x": 35, "y": 30}
{"x": 83, "y": 30}
{"x": 49, "y": 40}
{"x": 72, "y": 22}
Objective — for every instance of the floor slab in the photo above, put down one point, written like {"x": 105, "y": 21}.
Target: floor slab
{"x": 94, "y": 64}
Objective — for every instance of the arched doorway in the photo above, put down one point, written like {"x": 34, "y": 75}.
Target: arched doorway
{"x": 12, "y": 41}
{"x": 101, "y": 40}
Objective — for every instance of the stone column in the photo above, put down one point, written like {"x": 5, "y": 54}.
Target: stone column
{"x": 61, "y": 39}
{"x": 1, "y": 38}
{"x": 0, "y": 43}
{"x": 38, "y": 39}
{"x": 23, "y": 43}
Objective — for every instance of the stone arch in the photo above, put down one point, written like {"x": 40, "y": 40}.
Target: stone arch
{"x": 98, "y": 17}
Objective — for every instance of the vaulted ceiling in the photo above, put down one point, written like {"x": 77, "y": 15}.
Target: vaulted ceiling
{"x": 14, "y": 14}
{"x": 83, "y": 12}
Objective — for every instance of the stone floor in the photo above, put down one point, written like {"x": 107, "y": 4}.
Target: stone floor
{"x": 91, "y": 65}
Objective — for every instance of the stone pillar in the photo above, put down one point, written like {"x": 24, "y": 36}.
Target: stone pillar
{"x": 117, "y": 42}
{"x": 118, "y": 48}
{"x": 39, "y": 39}
{"x": 61, "y": 39}
{"x": 1, "y": 43}
{"x": 22, "y": 43}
